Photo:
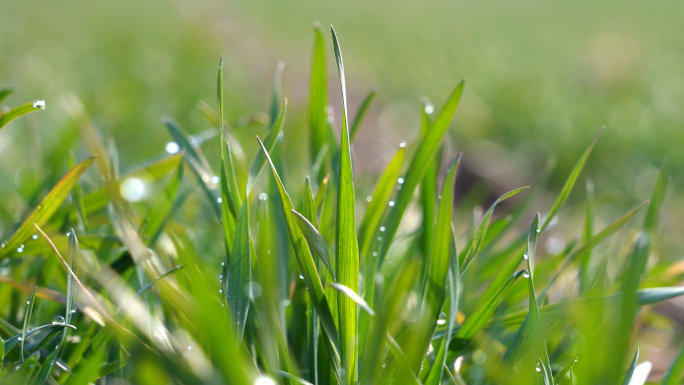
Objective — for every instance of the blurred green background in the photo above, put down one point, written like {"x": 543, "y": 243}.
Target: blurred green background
{"x": 543, "y": 78}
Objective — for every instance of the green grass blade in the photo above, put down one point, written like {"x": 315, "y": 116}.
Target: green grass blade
{"x": 5, "y": 93}
{"x": 569, "y": 183}
{"x": 437, "y": 370}
{"x": 485, "y": 307}
{"x": 349, "y": 293}
{"x": 269, "y": 142}
{"x": 163, "y": 207}
{"x": 630, "y": 371}
{"x": 482, "y": 229}
{"x": 78, "y": 196}
{"x": 46, "y": 208}
{"x": 653, "y": 215}
{"x": 291, "y": 377}
{"x": 379, "y": 201}
{"x": 657, "y": 294}
{"x": 438, "y": 262}
{"x": 318, "y": 94}
{"x": 20, "y": 111}
{"x": 314, "y": 239}
{"x": 347, "y": 247}
{"x": 674, "y": 373}
{"x": 308, "y": 268}
{"x": 418, "y": 166}
{"x": 27, "y": 319}
{"x": 361, "y": 113}
{"x": 587, "y": 232}
{"x": 24, "y": 372}
{"x": 537, "y": 341}
{"x": 239, "y": 273}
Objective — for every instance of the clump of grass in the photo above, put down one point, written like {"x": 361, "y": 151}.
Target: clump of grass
{"x": 248, "y": 277}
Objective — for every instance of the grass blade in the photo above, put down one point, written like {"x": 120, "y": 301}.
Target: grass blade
{"x": 27, "y": 319}
{"x": 353, "y": 296}
{"x": 308, "y": 268}
{"x": 418, "y": 166}
{"x": 46, "y": 208}
{"x": 318, "y": 94}
{"x": 361, "y": 113}
{"x": 314, "y": 239}
{"x": 20, "y": 111}
{"x": 569, "y": 183}
{"x": 5, "y": 93}
{"x": 674, "y": 373}
{"x": 239, "y": 273}
{"x": 630, "y": 371}
{"x": 269, "y": 142}
{"x": 482, "y": 229}
{"x": 347, "y": 247}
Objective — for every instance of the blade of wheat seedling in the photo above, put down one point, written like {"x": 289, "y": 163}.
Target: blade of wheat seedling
{"x": 569, "y": 183}
{"x": 46, "y": 208}
{"x": 27, "y": 319}
{"x": 236, "y": 287}
{"x": 308, "y": 268}
{"x": 674, "y": 373}
{"x": 269, "y": 142}
{"x": 347, "y": 247}
{"x": 482, "y": 229}
{"x": 361, "y": 114}
{"x": 349, "y": 293}
{"x": 587, "y": 232}
{"x": 630, "y": 371}
{"x": 5, "y": 93}
{"x": 418, "y": 165}
{"x": 318, "y": 95}
{"x": 78, "y": 195}
{"x": 20, "y": 111}
{"x": 314, "y": 239}
{"x": 21, "y": 373}
{"x": 163, "y": 207}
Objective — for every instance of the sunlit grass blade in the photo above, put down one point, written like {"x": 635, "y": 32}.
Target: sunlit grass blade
{"x": 482, "y": 229}
{"x": 269, "y": 142}
{"x": 379, "y": 201}
{"x": 46, "y": 208}
{"x": 78, "y": 196}
{"x": 308, "y": 268}
{"x": 289, "y": 376}
{"x": 23, "y": 372}
{"x": 630, "y": 370}
{"x": 418, "y": 166}
{"x": 361, "y": 114}
{"x": 437, "y": 370}
{"x": 353, "y": 296}
{"x": 105, "y": 369}
{"x": 587, "y": 232}
{"x": 485, "y": 307}
{"x": 318, "y": 94}
{"x": 163, "y": 207}
{"x": 347, "y": 247}
{"x": 537, "y": 341}
{"x": 569, "y": 183}
{"x": 314, "y": 239}
{"x": 239, "y": 265}
{"x": 20, "y": 111}
{"x": 27, "y": 319}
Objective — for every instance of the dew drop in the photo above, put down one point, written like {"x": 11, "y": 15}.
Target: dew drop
{"x": 263, "y": 380}
{"x": 286, "y": 303}
{"x": 526, "y": 274}
{"x": 375, "y": 253}
{"x": 429, "y": 108}
{"x": 263, "y": 197}
{"x": 172, "y": 147}
{"x": 39, "y": 104}
{"x": 20, "y": 249}
{"x": 400, "y": 180}
{"x": 369, "y": 198}
{"x": 73, "y": 311}
{"x": 441, "y": 321}
{"x": 382, "y": 228}
{"x": 219, "y": 200}
{"x": 20, "y": 338}
{"x": 379, "y": 239}
{"x": 223, "y": 263}
{"x": 215, "y": 179}
{"x": 58, "y": 320}
{"x": 526, "y": 257}
{"x": 34, "y": 236}
{"x": 402, "y": 144}
{"x": 391, "y": 203}
{"x": 2, "y": 246}
{"x": 133, "y": 189}
{"x": 253, "y": 290}
{"x": 538, "y": 230}
{"x": 301, "y": 276}
{"x": 220, "y": 290}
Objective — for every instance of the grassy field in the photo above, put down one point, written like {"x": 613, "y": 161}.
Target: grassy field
{"x": 341, "y": 247}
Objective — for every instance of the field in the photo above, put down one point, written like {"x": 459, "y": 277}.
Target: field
{"x": 393, "y": 223}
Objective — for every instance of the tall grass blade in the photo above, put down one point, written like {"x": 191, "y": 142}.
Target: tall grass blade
{"x": 674, "y": 373}
{"x": 318, "y": 95}
{"x": 314, "y": 239}
{"x": 20, "y": 111}
{"x": 46, "y": 208}
{"x": 5, "y": 93}
{"x": 630, "y": 371}
{"x": 269, "y": 142}
{"x": 361, "y": 114}
{"x": 347, "y": 247}
{"x": 237, "y": 286}
{"x": 27, "y": 319}
{"x": 351, "y": 294}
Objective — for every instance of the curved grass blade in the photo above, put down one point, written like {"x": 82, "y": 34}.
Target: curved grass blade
{"x": 239, "y": 273}
{"x": 674, "y": 373}
{"x": 485, "y": 307}
{"x": 122, "y": 309}
{"x": 361, "y": 114}
{"x": 27, "y": 319}
{"x": 78, "y": 196}
{"x": 418, "y": 166}
{"x": 104, "y": 370}
{"x": 308, "y": 268}
{"x": 564, "y": 370}
{"x": 482, "y": 229}
{"x": 24, "y": 372}
{"x": 314, "y": 239}
{"x": 630, "y": 371}
{"x": 291, "y": 377}
{"x": 20, "y": 111}
{"x": 47, "y": 207}
{"x": 269, "y": 142}
{"x": 347, "y": 247}
{"x": 318, "y": 94}
{"x": 15, "y": 340}
{"x": 353, "y": 296}
{"x": 569, "y": 183}
{"x": 163, "y": 207}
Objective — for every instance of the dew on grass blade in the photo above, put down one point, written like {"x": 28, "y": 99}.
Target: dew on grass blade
{"x": 263, "y": 197}
{"x": 133, "y": 189}
{"x": 58, "y": 320}
{"x": 39, "y": 104}
{"x": 172, "y": 148}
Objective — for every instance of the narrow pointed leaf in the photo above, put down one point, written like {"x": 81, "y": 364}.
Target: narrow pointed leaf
{"x": 239, "y": 273}
{"x": 314, "y": 239}
{"x": 318, "y": 93}
{"x": 47, "y": 207}
{"x": 5, "y": 93}
{"x": 352, "y": 295}
{"x": 20, "y": 111}
{"x": 269, "y": 142}
{"x": 27, "y": 319}
{"x": 630, "y": 371}
{"x": 361, "y": 114}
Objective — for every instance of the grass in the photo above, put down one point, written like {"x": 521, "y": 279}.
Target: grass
{"x": 177, "y": 274}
